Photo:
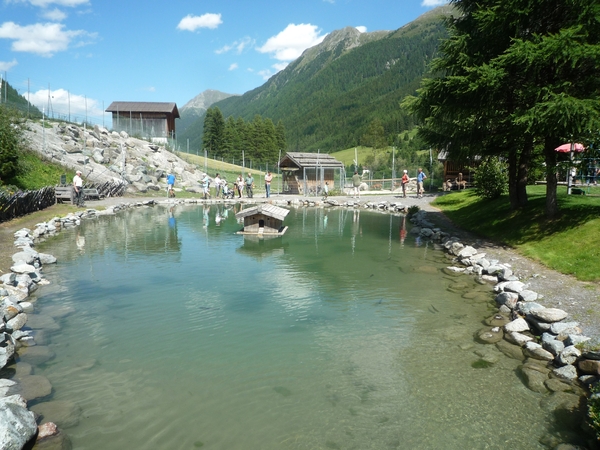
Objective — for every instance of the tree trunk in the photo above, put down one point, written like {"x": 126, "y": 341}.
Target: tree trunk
{"x": 523, "y": 171}
{"x": 513, "y": 193}
{"x": 550, "y": 144}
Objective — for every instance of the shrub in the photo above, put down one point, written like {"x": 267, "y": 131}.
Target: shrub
{"x": 491, "y": 178}
{"x": 412, "y": 210}
{"x": 594, "y": 409}
{"x": 10, "y": 141}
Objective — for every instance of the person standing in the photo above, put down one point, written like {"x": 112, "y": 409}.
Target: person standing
{"x": 218, "y": 185}
{"x": 356, "y": 180}
{"x": 170, "y": 185}
{"x": 404, "y": 182}
{"x": 326, "y": 191}
{"x": 249, "y": 185}
{"x": 205, "y": 186}
{"x": 420, "y": 177}
{"x": 78, "y": 188}
{"x": 239, "y": 185}
{"x": 268, "y": 179}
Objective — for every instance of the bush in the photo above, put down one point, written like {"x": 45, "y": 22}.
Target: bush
{"x": 11, "y": 136}
{"x": 594, "y": 410}
{"x": 491, "y": 178}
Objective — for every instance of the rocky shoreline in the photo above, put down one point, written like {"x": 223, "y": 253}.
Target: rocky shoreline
{"x": 545, "y": 338}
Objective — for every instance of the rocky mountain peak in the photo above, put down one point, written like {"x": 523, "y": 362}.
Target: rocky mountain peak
{"x": 205, "y": 100}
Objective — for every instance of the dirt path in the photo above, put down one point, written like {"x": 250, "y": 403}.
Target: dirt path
{"x": 580, "y": 299}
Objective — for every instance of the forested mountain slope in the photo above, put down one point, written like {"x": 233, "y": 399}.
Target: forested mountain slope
{"x": 327, "y": 98}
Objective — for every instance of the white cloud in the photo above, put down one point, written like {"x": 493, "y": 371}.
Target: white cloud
{"x": 362, "y": 29}
{"x": 265, "y": 74}
{"x": 55, "y": 15}
{"x": 239, "y": 46}
{"x": 6, "y": 66}
{"x": 46, "y": 3}
{"x": 192, "y": 23}
{"x": 62, "y": 103}
{"x": 429, "y": 3}
{"x": 291, "y": 42}
{"x": 280, "y": 66}
{"x": 233, "y": 66}
{"x": 44, "y": 39}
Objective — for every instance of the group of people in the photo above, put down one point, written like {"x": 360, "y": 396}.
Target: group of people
{"x": 239, "y": 185}
{"x": 357, "y": 180}
{"x": 420, "y": 178}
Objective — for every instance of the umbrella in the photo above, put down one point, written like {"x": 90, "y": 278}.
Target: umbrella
{"x": 566, "y": 148}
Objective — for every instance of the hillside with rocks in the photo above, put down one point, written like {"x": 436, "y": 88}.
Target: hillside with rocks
{"x": 104, "y": 155}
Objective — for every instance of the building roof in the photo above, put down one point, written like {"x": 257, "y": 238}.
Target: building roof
{"x": 310, "y": 160}
{"x": 266, "y": 209}
{"x": 142, "y": 107}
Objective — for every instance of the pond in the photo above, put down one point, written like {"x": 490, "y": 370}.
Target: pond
{"x": 342, "y": 334}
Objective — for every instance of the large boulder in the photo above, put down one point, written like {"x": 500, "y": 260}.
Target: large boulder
{"x": 17, "y": 424}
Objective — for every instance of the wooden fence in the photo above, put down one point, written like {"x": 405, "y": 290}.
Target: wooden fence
{"x": 22, "y": 203}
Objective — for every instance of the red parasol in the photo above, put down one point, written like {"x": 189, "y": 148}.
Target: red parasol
{"x": 566, "y": 148}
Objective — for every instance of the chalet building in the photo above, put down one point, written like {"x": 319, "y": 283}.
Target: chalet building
{"x": 455, "y": 171}
{"x": 145, "y": 119}
{"x": 306, "y": 173}
{"x": 263, "y": 220}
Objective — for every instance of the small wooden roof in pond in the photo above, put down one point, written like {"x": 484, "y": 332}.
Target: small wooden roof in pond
{"x": 268, "y": 210}
{"x": 309, "y": 160}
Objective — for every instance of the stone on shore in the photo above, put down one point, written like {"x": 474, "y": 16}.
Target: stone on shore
{"x": 517, "y": 325}
{"x": 534, "y": 379}
{"x": 535, "y": 351}
{"x": 549, "y": 315}
{"x": 489, "y": 335}
{"x": 17, "y": 424}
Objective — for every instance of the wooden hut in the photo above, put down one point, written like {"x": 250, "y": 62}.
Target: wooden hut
{"x": 263, "y": 220}
{"x": 456, "y": 172}
{"x": 306, "y": 173}
{"x": 146, "y": 119}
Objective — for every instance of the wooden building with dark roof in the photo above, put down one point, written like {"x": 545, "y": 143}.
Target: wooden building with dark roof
{"x": 146, "y": 119}
{"x": 307, "y": 173}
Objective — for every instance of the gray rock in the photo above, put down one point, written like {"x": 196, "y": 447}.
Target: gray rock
{"x": 567, "y": 373}
{"x": 538, "y": 324}
{"x": 34, "y": 386}
{"x": 517, "y": 338}
{"x": 526, "y": 307}
{"x": 549, "y": 315}
{"x": 534, "y": 380}
{"x": 36, "y": 355}
{"x": 575, "y": 339}
{"x": 510, "y": 350}
{"x": 489, "y": 335}
{"x": 467, "y": 252}
{"x": 528, "y": 296}
{"x": 65, "y": 414}
{"x": 23, "y": 258}
{"x": 568, "y": 356}
{"x": 45, "y": 258}
{"x": 514, "y": 286}
{"x": 556, "y": 385}
{"x": 517, "y": 325}
{"x": 22, "y": 268}
{"x": 565, "y": 328}
{"x": 507, "y": 298}
{"x": 554, "y": 346}
{"x": 17, "y": 424}
{"x": 535, "y": 351}
{"x": 42, "y": 322}
{"x": 17, "y": 322}
{"x": 497, "y": 320}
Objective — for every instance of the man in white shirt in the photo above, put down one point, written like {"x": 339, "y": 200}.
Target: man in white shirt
{"x": 218, "y": 184}
{"x": 78, "y": 188}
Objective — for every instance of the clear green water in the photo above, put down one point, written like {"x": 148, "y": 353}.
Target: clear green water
{"x": 335, "y": 336}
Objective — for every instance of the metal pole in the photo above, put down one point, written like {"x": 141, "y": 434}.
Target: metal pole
{"x": 279, "y": 170}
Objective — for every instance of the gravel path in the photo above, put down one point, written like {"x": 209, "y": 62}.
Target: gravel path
{"x": 580, "y": 299}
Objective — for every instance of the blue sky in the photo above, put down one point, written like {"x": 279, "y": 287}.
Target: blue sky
{"x": 88, "y": 53}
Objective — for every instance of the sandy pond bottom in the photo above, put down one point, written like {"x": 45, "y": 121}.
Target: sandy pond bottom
{"x": 340, "y": 335}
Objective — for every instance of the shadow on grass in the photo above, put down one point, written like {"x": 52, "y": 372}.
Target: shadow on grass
{"x": 495, "y": 220}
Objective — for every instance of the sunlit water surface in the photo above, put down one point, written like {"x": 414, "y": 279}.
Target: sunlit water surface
{"x": 339, "y": 335}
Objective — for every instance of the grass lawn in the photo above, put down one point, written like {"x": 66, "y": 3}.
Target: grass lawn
{"x": 569, "y": 244}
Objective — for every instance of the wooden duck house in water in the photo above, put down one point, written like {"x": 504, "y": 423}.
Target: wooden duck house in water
{"x": 263, "y": 220}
